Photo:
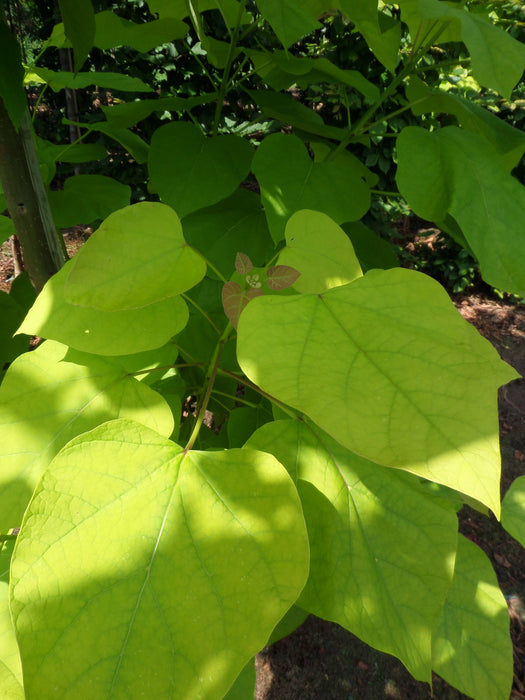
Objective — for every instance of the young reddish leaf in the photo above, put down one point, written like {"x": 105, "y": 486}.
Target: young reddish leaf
{"x": 234, "y": 300}
{"x": 243, "y": 264}
{"x": 282, "y": 276}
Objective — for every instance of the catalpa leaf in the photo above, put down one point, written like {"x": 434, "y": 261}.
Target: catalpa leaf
{"x": 198, "y": 556}
{"x": 102, "y": 332}
{"x": 513, "y": 510}
{"x": 243, "y": 264}
{"x": 128, "y": 114}
{"x": 290, "y": 20}
{"x": 382, "y": 548}
{"x": 291, "y": 181}
{"x": 236, "y": 223}
{"x": 134, "y": 145}
{"x": 113, "y": 271}
{"x": 112, "y": 30}
{"x": 508, "y": 141}
{"x": 371, "y": 250}
{"x": 86, "y": 198}
{"x": 36, "y": 423}
{"x": 320, "y": 250}
{"x": 407, "y": 382}
{"x": 281, "y": 70}
{"x": 10, "y": 664}
{"x": 381, "y": 31}
{"x": 79, "y": 27}
{"x": 281, "y": 277}
{"x": 7, "y": 228}
{"x": 472, "y": 648}
{"x": 64, "y": 79}
{"x": 457, "y": 172}
{"x": 235, "y": 299}
{"x": 190, "y": 171}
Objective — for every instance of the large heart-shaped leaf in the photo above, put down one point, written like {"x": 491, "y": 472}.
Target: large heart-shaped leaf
{"x": 291, "y": 181}
{"x": 382, "y": 548}
{"x": 457, "y": 172}
{"x": 406, "y": 381}
{"x": 47, "y": 400}
{"x": 102, "y": 332}
{"x": 472, "y": 648}
{"x": 190, "y": 171}
{"x": 198, "y": 556}
{"x": 137, "y": 257}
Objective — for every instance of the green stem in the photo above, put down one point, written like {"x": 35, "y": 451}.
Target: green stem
{"x": 209, "y": 381}
{"x": 210, "y": 265}
{"x": 235, "y": 398}
{"x": 226, "y": 74}
{"x": 201, "y": 310}
{"x": 439, "y": 66}
{"x": 396, "y": 113}
{"x": 251, "y": 385}
{"x": 165, "y": 367}
{"x": 203, "y": 66}
{"x": 386, "y": 194}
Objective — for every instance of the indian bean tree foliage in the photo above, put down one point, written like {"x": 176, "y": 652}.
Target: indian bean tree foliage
{"x": 243, "y": 411}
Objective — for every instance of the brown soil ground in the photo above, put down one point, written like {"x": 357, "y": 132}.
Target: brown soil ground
{"x": 322, "y": 661}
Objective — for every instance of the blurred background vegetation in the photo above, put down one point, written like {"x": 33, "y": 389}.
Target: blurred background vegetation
{"x": 177, "y": 68}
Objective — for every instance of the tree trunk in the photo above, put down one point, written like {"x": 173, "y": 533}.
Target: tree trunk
{"x": 27, "y": 201}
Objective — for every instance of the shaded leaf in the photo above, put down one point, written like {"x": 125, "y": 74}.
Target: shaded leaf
{"x": 508, "y": 141}
{"x": 281, "y": 70}
{"x": 236, "y": 223}
{"x": 513, "y": 510}
{"x": 472, "y": 648}
{"x": 79, "y": 26}
{"x": 86, "y": 198}
{"x": 190, "y": 171}
{"x": 372, "y": 251}
{"x": 456, "y": 172}
{"x": 105, "y": 79}
{"x": 291, "y": 181}
{"x": 128, "y": 114}
{"x": 7, "y": 228}
{"x": 11, "y": 315}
